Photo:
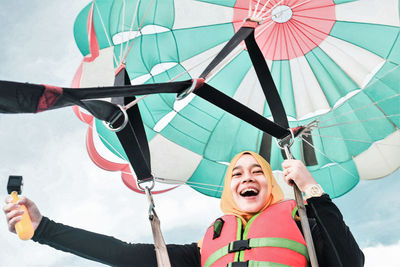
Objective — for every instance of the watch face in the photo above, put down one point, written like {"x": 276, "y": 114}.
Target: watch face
{"x": 315, "y": 190}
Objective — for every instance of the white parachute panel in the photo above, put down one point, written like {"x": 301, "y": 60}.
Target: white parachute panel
{"x": 309, "y": 97}
{"x": 370, "y": 11}
{"x": 189, "y": 14}
{"x": 165, "y": 155}
{"x": 102, "y": 68}
{"x": 381, "y": 159}
{"x": 359, "y": 64}
{"x": 250, "y": 93}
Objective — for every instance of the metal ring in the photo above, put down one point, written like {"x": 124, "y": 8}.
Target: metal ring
{"x": 290, "y": 143}
{"x": 150, "y": 179}
{"x": 122, "y": 126}
{"x": 186, "y": 92}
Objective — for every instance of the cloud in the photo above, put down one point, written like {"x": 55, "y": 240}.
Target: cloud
{"x": 37, "y": 41}
{"x": 49, "y": 151}
{"x": 370, "y": 211}
{"x": 381, "y": 255}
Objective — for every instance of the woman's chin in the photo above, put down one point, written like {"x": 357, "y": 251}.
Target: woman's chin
{"x": 250, "y": 204}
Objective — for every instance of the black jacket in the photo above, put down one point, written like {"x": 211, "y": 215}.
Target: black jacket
{"x": 334, "y": 243}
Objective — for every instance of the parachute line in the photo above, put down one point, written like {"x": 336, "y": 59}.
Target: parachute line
{"x": 332, "y": 161}
{"x": 187, "y": 182}
{"x": 105, "y": 30}
{"x": 355, "y": 140}
{"x": 372, "y": 103}
{"x": 205, "y": 188}
{"x": 359, "y": 121}
{"x": 360, "y": 108}
{"x": 122, "y": 28}
{"x": 131, "y": 28}
{"x": 139, "y": 28}
{"x": 263, "y": 8}
{"x": 134, "y": 102}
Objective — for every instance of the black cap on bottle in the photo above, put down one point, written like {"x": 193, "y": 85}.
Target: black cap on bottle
{"x": 14, "y": 184}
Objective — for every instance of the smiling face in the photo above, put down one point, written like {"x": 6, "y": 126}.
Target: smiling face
{"x": 248, "y": 185}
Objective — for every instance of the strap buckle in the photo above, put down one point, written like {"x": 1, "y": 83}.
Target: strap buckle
{"x": 110, "y": 125}
{"x": 239, "y": 245}
{"x": 218, "y": 224}
{"x": 196, "y": 83}
{"x": 239, "y": 264}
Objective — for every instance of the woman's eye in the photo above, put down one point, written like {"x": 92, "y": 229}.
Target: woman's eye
{"x": 235, "y": 174}
{"x": 258, "y": 171}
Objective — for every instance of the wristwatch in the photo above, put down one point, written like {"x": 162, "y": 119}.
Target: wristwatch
{"x": 314, "y": 190}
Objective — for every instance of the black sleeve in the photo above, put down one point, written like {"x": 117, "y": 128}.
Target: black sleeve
{"x": 334, "y": 243}
{"x": 109, "y": 250}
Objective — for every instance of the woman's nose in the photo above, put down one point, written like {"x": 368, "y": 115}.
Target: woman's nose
{"x": 247, "y": 178}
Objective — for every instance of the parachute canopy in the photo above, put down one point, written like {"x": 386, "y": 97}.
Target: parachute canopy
{"x": 335, "y": 65}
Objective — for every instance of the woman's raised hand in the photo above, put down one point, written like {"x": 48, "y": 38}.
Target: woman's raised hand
{"x": 295, "y": 171}
{"x": 14, "y": 214}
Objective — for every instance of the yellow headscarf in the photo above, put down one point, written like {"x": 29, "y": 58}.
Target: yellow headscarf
{"x": 274, "y": 193}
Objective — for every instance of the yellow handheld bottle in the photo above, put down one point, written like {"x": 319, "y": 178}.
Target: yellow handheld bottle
{"x": 24, "y": 227}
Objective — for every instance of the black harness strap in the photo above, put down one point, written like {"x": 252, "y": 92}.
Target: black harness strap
{"x": 239, "y": 36}
{"x": 239, "y": 110}
{"x": 266, "y": 81}
{"x": 134, "y": 116}
{"x": 239, "y": 264}
{"x": 24, "y": 97}
{"x": 278, "y": 129}
{"x": 309, "y": 156}
{"x": 134, "y": 150}
{"x": 270, "y": 92}
{"x": 266, "y": 146}
{"x": 133, "y": 136}
{"x": 127, "y": 90}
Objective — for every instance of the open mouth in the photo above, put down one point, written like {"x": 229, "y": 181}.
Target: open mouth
{"x": 249, "y": 192}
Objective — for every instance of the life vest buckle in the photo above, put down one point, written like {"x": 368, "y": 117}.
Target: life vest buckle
{"x": 218, "y": 224}
{"x": 239, "y": 264}
{"x": 238, "y": 245}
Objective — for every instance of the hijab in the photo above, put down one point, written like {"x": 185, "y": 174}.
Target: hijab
{"x": 274, "y": 192}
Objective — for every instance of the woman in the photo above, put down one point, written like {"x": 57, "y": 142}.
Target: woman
{"x": 250, "y": 200}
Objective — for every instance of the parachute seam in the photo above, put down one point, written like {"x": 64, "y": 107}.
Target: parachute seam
{"x": 332, "y": 161}
{"x": 380, "y": 79}
{"x": 359, "y": 45}
{"x": 105, "y": 30}
{"x": 355, "y": 140}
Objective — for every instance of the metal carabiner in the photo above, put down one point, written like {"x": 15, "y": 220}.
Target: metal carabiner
{"x": 150, "y": 179}
{"x": 279, "y": 143}
{"x": 150, "y": 200}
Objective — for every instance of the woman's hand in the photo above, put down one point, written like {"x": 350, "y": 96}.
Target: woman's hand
{"x": 295, "y": 171}
{"x": 14, "y": 215}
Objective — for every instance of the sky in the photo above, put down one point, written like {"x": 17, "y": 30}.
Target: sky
{"x": 48, "y": 149}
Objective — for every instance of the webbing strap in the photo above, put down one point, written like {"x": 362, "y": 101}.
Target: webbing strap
{"x": 159, "y": 243}
{"x": 133, "y": 137}
{"x": 239, "y": 36}
{"x": 24, "y": 98}
{"x": 246, "y": 33}
{"x": 256, "y": 264}
{"x": 281, "y": 243}
{"x": 134, "y": 151}
{"x": 239, "y": 110}
{"x": 261, "y": 242}
{"x": 266, "y": 81}
{"x": 217, "y": 255}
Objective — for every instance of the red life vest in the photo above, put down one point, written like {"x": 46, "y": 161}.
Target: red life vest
{"x": 270, "y": 238}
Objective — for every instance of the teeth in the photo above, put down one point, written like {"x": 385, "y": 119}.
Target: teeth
{"x": 249, "y": 190}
